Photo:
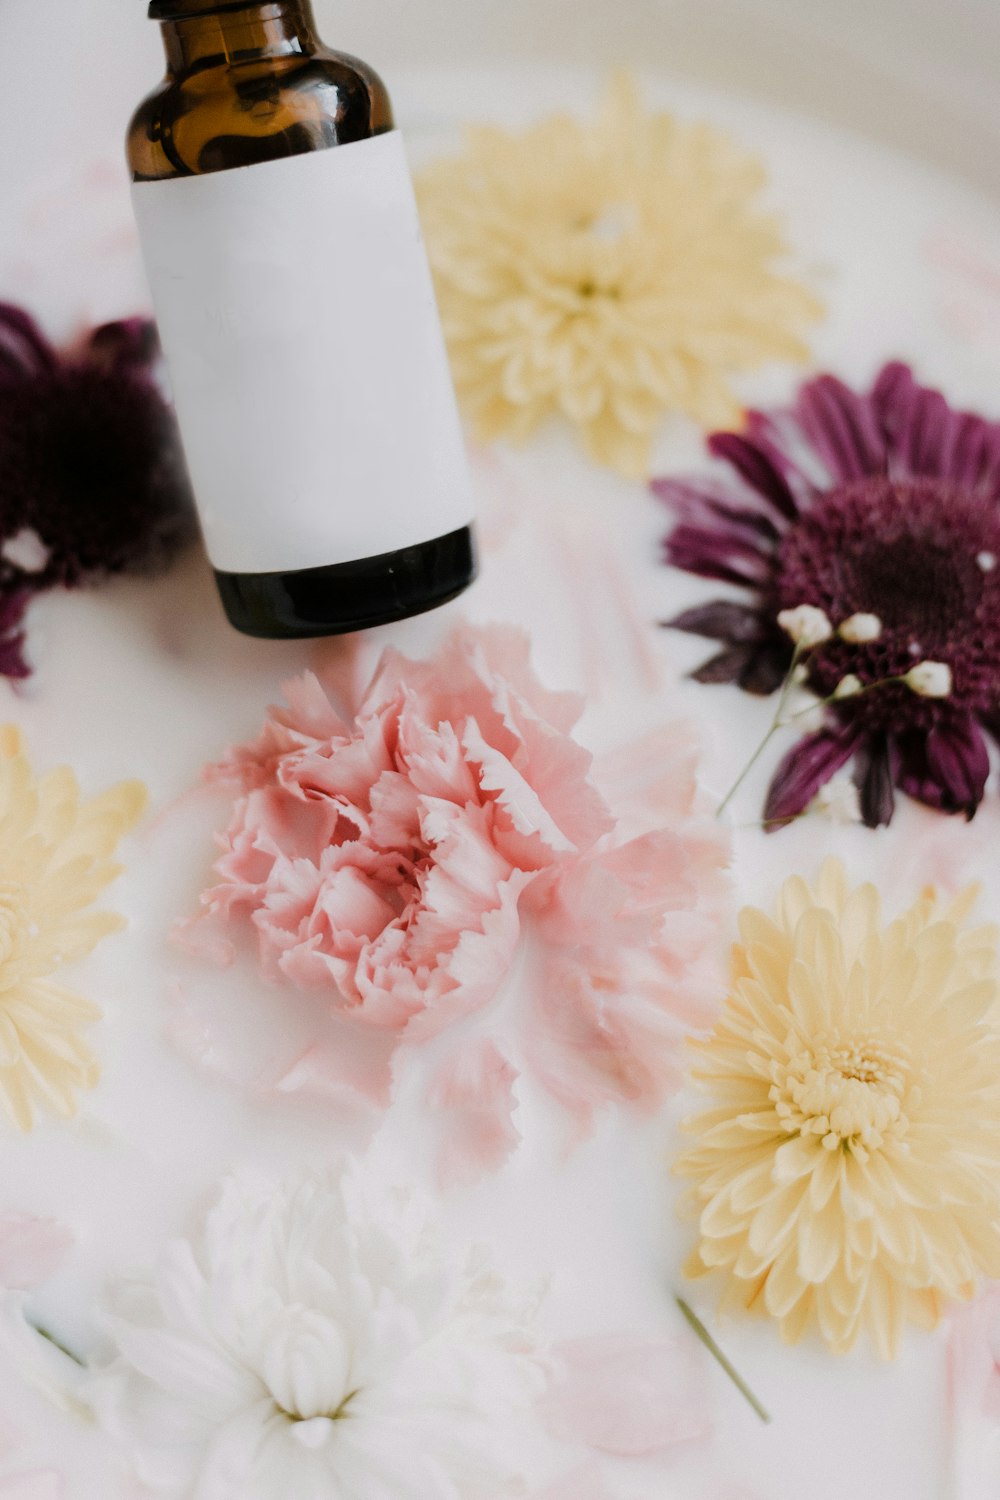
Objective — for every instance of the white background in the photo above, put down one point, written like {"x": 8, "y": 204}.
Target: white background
{"x": 907, "y": 72}
{"x": 922, "y": 74}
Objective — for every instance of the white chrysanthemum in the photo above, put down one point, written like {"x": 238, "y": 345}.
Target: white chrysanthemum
{"x": 321, "y": 1342}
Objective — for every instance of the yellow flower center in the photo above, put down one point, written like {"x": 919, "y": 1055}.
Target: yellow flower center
{"x": 849, "y": 1091}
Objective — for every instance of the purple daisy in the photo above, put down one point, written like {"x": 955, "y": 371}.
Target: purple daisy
{"x": 92, "y": 481}
{"x": 885, "y": 504}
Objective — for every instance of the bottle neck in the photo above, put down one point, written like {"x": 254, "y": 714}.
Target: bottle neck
{"x": 200, "y": 33}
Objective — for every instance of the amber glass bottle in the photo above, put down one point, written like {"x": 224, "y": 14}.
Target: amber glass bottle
{"x": 298, "y": 321}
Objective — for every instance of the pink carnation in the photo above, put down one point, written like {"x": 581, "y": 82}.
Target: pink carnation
{"x": 391, "y": 862}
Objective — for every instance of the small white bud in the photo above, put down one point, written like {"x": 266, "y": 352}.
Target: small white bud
{"x": 929, "y": 679}
{"x": 848, "y": 687}
{"x": 860, "y": 628}
{"x": 806, "y": 625}
{"x": 26, "y": 551}
{"x": 987, "y": 561}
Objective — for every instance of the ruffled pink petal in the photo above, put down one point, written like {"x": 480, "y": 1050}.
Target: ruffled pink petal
{"x": 473, "y": 1097}
{"x": 346, "y": 1067}
{"x": 385, "y": 867}
{"x": 478, "y": 965}
{"x": 31, "y": 1250}
{"x": 272, "y": 1043}
{"x": 631, "y": 1397}
{"x": 595, "y": 1041}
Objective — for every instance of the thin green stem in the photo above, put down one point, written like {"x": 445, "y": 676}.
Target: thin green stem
{"x": 706, "y": 1338}
{"x": 868, "y": 687}
{"x": 786, "y": 688}
{"x": 50, "y": 1338}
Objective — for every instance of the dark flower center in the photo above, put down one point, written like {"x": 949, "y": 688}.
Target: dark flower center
{"x": 923, "y": 555}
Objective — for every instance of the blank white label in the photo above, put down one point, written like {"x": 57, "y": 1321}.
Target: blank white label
{"x": 298, "y": 320}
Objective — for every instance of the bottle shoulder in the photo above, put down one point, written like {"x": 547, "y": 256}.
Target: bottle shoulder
{"x": 237, "y": 114}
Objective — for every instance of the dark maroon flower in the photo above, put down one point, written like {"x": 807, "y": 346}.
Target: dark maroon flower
{"x": 92, "y": 482}
{"x": 885, "y": 504}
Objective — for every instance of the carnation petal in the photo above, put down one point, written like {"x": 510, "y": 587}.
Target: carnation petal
{"x": 474, "y": 1093}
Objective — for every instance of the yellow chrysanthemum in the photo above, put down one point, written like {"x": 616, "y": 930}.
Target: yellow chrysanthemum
{"x": 55, "y": 859}
{"x": 848, "y": 1173}
{"x": 609, "y": 271}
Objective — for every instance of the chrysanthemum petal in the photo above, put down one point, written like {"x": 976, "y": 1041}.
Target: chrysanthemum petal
{"x": 857, "y": 1174}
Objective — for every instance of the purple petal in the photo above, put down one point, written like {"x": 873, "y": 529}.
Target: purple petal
{"x": 760, "y": 473}
{"x": 991, "y": 723}
{"x": 975, "y": 460}
{"x": 807, "y": 767}
{"x": 715, "y": 554}
{"x": 767, "y": 669}
{"x": 891, "y": 394}
{"x": 875, "y": 771}
{"x": 24, "y": 349}
{"x": 700, "y": 502}
{"x": 722, "y": 620}
{"x": 13, "y": 604}
{"x": 932, "y": 435}
{"x": 12, "y": 660}
{"x": 131, "y": 343}
{"x": 726, "y": 666}
{"x": 948, "y": 768}
{"x": 12, "y": 637}
{"x": 921, "y": 430}
{"x": 843, "y": 428}
{"x": 779, "y": 435}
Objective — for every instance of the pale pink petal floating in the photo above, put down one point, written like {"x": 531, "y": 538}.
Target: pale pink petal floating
{"x": 626, "y": 1396}
{"x": 31, "y": 1250}
{"x": 473, "y": 1095}
{"x": 391, "y": 856}
{"x": 974, "y": 1357}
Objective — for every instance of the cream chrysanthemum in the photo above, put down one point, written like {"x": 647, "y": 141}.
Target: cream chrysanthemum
{"x": 610, "y": 271}
{"x": 848, "y": 1173}
{"x": 55, "y": 859}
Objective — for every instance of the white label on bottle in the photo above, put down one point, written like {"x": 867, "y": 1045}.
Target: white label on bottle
{"x": 298, "y": 320}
